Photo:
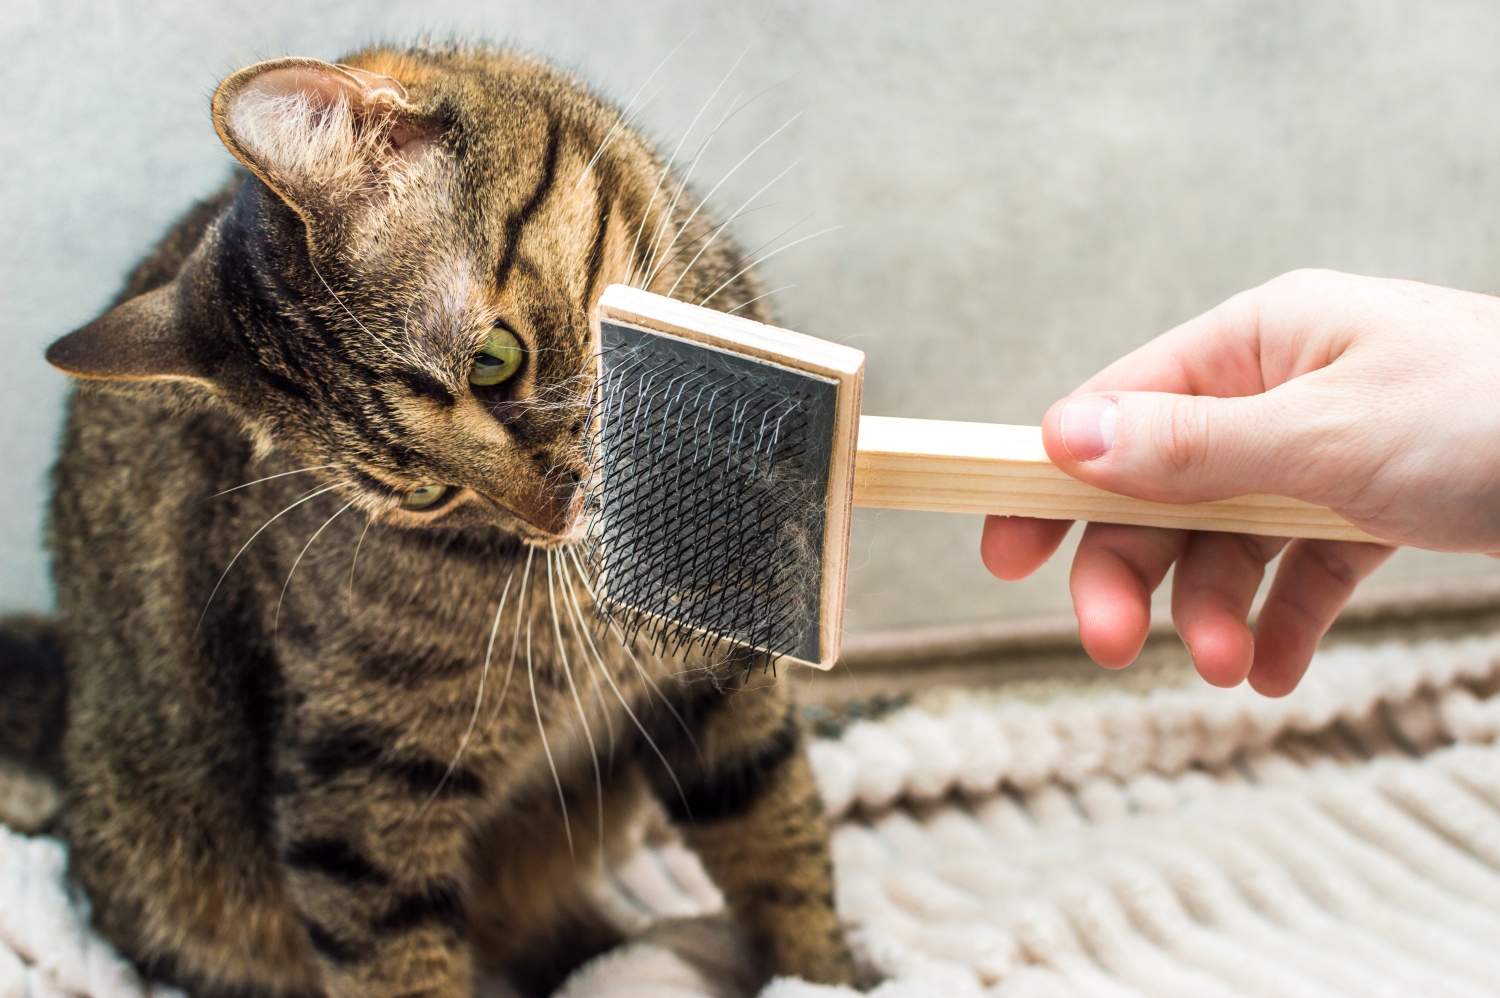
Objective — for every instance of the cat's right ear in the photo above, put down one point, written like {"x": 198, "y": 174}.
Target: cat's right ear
{"x": 320, "y": 135}
{"x": 142, "y": 340}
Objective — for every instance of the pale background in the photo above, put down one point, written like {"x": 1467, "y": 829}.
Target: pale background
{"x": 1025, "y": 189}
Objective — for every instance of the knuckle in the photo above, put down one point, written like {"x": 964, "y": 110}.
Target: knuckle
{"x": 1327, "y": 559}
{"x": 1184, "y": 438}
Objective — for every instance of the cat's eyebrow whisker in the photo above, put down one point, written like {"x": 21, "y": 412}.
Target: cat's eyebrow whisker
{"x": 258, "y": 532}
{"x": 724, "y": 179}
{"x": 276, "y": 618}
{"x": 694, "y": 242}
{"x": 683, "y": 182}
{"x": 562, "y": 798}
{"x": 281, "y": 474}
{"x": 725, "y": 224}
{"x": 383, "y": 345}
{"x": 666, "y": 168}
{"x": 636, "y": 272}
{"x": 729, "y": 114}
{"x": 680, "y": 142}
{"x": 484, "y": 673}
{"x": 588, "y": 734}
{"x": 621, "y": 121}
{"x": 752, "y": 301}
{"x": 760, "y": 260}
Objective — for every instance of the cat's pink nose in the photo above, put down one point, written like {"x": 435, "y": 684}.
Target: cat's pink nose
{"x": 556, "y": 504}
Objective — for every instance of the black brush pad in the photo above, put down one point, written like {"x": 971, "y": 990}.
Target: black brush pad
{"x": 708, "y": 500}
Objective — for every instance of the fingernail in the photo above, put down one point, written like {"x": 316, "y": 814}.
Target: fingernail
{"x": 1088, "y": 426}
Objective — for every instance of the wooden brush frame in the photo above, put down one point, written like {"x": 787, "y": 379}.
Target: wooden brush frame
{"x": 799, "y": 352}
{"x": 940, "y": 466}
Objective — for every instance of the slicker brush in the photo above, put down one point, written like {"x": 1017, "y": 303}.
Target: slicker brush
{"x": 727, "y": 455}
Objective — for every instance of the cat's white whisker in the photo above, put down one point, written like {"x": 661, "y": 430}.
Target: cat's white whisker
{"x": 682, "y": 185}
{"x": 646, "y": 678}
{"x": 276, "y": 618}
{"x": 591, "y": 657}
{"x": 752, "y": 301}
{"x": 282, "y": 474}
{"x": 484, "y": 673}
{"x": 354, "y": 562}
{"x": 383, "y": 345}
{"x": 760, "y": 260}
{"x": 622, "y": 121}
{"x": 651, "y": 742}
{"x": 588, "y": 734}
{"x": 521, "y": 609}
{"x": 724, "y": 179}
{"x": 724, "y": 225}
{"x": 562, "y": 798}
{"x": 263, "y": 526}
{"x": 666, "y": 170}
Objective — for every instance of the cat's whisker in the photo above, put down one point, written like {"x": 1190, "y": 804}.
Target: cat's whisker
{"x": 562, "y": 798}
{"x": 724, "y": 225}
{"x": 682, "y": 184}
{"x": 625, "y": 647}
{"x": 694, "y": 242}
{"x": 651, "y": 742}
{"x": 263, "y": 526}
{"x": 282, "y": 474}
{"x": 588, "y": 734}
{"x": 666, "y": 170}
{"x": 484, "y": 673}
{"x": 752, "y": 301}
{"x": 276, "y": 618}
{"x": 353, "y": 562}
{"x": 760, "y": 260}
{"x": 591, "y": 658}
{"x": 730, "y": 113}
{"x": 521, "y": 610}
{"x": 622, "y": 121}
{"x": 724, "y": 179}
{"x": 383, "y": 345}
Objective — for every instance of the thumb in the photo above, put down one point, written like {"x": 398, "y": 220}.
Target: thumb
{"x": 1172, "y": 448}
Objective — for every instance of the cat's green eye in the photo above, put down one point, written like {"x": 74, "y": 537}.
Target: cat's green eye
{"x": 499, "y": 359}
{"x": 423, "y": 497}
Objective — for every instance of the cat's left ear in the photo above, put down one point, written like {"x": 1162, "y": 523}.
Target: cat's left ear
{"x": 142, "y": 340}
{"x": 320, "y": 135}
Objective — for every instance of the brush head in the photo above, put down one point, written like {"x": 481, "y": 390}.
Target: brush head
{"x": 719, "y": 503}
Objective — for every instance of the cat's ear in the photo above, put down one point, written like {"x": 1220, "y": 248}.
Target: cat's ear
{"x": 141, "y": 340}
{"x": 317, "y": 133}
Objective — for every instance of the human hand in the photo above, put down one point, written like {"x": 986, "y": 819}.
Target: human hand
{"x": 1377, "y": 398}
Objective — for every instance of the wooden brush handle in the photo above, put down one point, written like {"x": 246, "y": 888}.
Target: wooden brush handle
{"x": 949, "y": 467}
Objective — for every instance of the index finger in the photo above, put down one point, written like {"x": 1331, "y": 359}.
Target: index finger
{"x": 1249, "y": 344}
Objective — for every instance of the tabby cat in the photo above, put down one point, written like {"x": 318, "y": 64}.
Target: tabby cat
{"x": 339, "y": 720}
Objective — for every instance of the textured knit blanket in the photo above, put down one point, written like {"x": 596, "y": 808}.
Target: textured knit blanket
{"x": 1198, "y": 842}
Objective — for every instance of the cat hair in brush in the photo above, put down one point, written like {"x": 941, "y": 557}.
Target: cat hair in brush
{"x": 728, "y": 457}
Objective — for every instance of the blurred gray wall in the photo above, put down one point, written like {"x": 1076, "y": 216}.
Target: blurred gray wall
{"x": 1025, "y": 189}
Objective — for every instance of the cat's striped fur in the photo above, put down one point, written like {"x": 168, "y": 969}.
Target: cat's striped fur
{"x": 334, "y": 760}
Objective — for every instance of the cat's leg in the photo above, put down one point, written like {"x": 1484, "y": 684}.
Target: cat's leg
{"x": 374, "y": 842}
{"x": 533, "y": 909}
{"x": 746, "y": 802}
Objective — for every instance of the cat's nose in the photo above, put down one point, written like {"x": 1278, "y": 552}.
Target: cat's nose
{"x": 555, "y": 505}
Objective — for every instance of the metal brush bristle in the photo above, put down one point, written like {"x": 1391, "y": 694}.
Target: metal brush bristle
{"x": 707, "y": 501}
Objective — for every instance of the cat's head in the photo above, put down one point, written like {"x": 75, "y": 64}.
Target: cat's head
{"x": 404, "y": 287}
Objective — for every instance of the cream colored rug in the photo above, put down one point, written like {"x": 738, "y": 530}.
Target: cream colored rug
{"x": 1194, "y": 842}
